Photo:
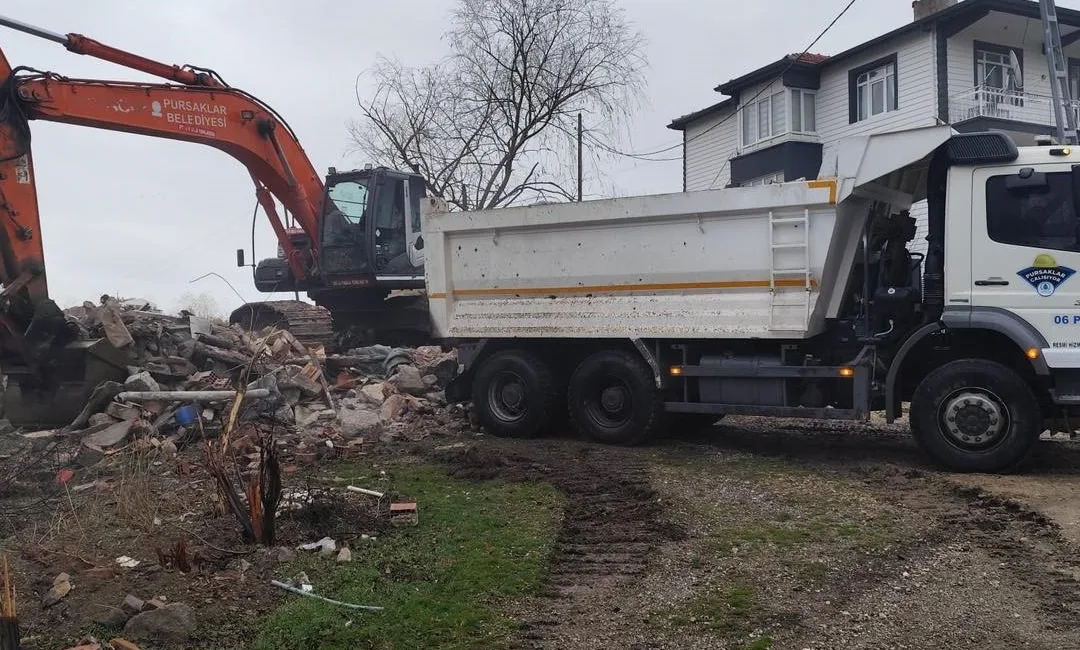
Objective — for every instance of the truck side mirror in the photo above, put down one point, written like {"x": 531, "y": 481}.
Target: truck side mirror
{"x": 240, "y": 257}
{"x": 419, "y": 245}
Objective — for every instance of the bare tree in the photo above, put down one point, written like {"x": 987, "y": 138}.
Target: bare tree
{"x": 494, "y": 123}
{"x": 202, "y": 304}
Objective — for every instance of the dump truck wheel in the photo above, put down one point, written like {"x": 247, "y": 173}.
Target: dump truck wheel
{"x": 975, "y": 416}
{"x": 514, "y": 394}
{"x": 613, "y": 399}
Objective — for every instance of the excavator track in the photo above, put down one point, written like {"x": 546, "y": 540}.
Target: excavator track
{"x": 400, "y": 320}
{"x": 310, "y": 324}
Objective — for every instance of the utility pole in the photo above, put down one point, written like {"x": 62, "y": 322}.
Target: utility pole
{"x": 1064, "y": 109}
{"x": 579, "y": 157}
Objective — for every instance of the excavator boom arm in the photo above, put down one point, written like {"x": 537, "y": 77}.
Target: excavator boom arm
{"x": 223, "y": 118}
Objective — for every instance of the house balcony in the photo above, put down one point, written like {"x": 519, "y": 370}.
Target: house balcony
{"x": 1027, "y": 113}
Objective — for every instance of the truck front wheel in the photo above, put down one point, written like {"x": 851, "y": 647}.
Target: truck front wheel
{"x": 973, "y": 415}
{"x": 514, "y": 394}
{"x": 613, "y": 398}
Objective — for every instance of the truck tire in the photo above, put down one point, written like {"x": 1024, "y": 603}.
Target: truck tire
{"x": 613, "y": 399}
{"x": 973, "y": 415}
{"x": 514, "y": 394}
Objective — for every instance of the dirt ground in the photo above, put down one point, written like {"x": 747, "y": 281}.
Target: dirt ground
{"x": 753, "y": 534}
{"x": 778, "y": 534}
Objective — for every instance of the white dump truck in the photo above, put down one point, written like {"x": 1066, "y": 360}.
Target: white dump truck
{"x": 799, "y": 299}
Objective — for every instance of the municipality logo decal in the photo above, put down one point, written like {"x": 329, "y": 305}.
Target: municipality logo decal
{"x": 1045, "y": 275}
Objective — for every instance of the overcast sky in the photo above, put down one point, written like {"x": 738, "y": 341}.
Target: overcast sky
{"x": 141, "y": 217}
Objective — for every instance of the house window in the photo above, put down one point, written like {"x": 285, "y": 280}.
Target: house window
{"x": 803, "y": 111}
{"x": 995, "y": 75}
{"x": 767, "y": 179}
{"x": 873, "y": 89}
{"x": 1036, "y": 212}
{"x": 764, "y": 119}
{"x": 877, "y": 91}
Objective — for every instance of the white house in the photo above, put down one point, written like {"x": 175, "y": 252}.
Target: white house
{"x": 953, "y": 63}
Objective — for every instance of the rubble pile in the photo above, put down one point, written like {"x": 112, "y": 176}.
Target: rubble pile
{"x": 184, "y": 372}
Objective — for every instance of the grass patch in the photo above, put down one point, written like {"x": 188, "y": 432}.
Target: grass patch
{"x": 869, "y": 535}
{"x": 442, "y": 583}
{"x": 732, "y": 611}
{"x": 813, "y": 574}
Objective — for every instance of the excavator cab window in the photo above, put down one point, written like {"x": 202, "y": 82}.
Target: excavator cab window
{"x": 349, "y": 199}
{"x": 390, "y": 224}
{"x": 345, "y": 221}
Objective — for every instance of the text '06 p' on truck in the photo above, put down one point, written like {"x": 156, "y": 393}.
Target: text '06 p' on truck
{"x": 800, "y": 299}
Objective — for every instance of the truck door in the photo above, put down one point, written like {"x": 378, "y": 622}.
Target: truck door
{"x": 1025, "y": 247}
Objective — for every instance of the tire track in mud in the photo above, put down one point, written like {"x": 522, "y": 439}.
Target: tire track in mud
{"x": 1026, "y": 542}
{"x": 612, "y": 524}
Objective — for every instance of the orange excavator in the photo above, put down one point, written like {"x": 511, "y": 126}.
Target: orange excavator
{"x": 349, "y": 239}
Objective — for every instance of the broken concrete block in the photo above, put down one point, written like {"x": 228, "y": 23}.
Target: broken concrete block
{"x": 61, "y": 587}
{"x": 115, "y": 330}
{"x": 430, "y": 380}
{"x": 123, "y": 411}
{"x": 393, "y": 408}
{"x": 445, "y": 369}
{"x": 375, "y": 393}
{"x": 113, "y": 435}
{"x": 285, "y": 414}
{"x": 133, "y": 604}
{"x": 356, "y": 418}
{"x": 172, "y": 624}
{"x": 407, "y": 379}
{"x": 294, "y": 377}
{"x": 291, "y": 396}
{"x": 141, "y": 381}
{"x": 305, "y": 416}
{"x": 99, "y": 419}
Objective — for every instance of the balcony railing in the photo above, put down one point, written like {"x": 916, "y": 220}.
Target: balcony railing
{"x": 1005, "y": 105}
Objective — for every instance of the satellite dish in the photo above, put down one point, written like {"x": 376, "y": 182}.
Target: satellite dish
{"x": 1017, "y": 71}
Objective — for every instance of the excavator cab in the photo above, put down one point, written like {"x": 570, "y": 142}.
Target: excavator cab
{"x": 371, "y": 226}
{"x": 370, "y": 236}
{"x": 370, "y": 246}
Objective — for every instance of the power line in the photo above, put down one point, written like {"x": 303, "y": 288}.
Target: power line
{"x": 645, "y": 155}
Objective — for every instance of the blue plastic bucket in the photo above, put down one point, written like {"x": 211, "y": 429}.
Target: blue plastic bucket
{"x": 186, "y": 415}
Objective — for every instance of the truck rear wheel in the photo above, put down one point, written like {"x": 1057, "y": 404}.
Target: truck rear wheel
{"x": 613, "y": 399}
{"x": 975, "y": 416}
{"x": 514, "y": 394}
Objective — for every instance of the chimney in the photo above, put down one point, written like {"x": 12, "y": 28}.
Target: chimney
{"x": 924, "y": 8}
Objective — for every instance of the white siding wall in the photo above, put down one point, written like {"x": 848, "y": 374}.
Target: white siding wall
{"x": 710, "y": 143}
{"x": 917, "y": 105}
{"x": 917, "y": 98}
{"x": 1007, "y": 31}
{"x": 707, "y": 155}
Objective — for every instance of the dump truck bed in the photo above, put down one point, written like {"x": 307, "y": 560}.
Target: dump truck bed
{"x": 736, "y": 263}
